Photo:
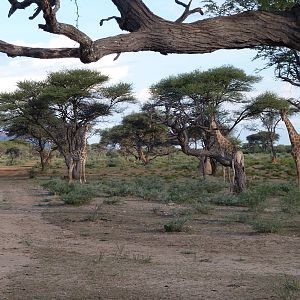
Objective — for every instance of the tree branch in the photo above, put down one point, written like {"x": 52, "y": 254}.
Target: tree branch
{"x": 187, "y": 12}
{"x": 149, "y": 32}
{"x": 45, "y": 53}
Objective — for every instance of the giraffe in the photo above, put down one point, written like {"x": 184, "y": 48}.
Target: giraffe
{"x": 295, "y": 142}
{"x": 229, "y": 152}
{"x": 79, "y": 154}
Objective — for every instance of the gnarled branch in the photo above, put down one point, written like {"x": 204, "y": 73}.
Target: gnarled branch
{"x": 187, "y": 11}
{"x": 148, "y": 32}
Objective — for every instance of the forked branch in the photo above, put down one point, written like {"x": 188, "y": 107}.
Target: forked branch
{"x": 187, "y": 11}
{"x": 24, "y": 4}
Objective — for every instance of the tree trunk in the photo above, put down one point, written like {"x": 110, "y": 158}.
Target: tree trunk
{"x": 273, "y": 153}
{"x": 239, "y": 183}
{"x": 76, "y": 171}
{"x": 214, "y": 167}
{"x": 42, "y": 160}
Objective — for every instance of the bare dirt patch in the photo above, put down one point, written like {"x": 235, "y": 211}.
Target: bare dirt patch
{"x": 53, "y": 251}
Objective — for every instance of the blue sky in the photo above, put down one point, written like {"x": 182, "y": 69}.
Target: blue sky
{"x": 140, "y": 69}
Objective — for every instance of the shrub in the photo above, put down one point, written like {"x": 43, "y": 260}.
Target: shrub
{"x": 70, "y": 193}
{"x": 32, "y": 173}
{"x": 226, "y": 199}
{"x": 58, "y": 187}
{"x": 113, "y": 201}
{"x": 192, "y": 190}
{"x": 80, "y": 195}
{"x": 289, "y": 289}
{"x": 266, "y": 226}
{"x": 202, "y": 208}
{"x": 290, "y": 203}
{"x": 176, "y": 224}
{"x": 254, "y": 199}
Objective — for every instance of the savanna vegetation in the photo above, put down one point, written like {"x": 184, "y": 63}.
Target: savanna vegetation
{"x": 158, "y": 179}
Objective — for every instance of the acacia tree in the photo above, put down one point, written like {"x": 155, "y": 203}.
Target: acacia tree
{"x": 22, "y": 115}
{"x": 78, "y": 98}
{"x": 189, "y": 102}
{"x": 260, "y": 141}
{"x": 64, "y": 104}
{"x": 265, "y": 108}
{"x": 255, "y": 23}
{"x": 21, "y": 127}
{"x": 140, "y": 135}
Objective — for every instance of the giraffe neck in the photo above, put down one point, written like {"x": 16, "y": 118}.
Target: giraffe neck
{"x": 293, "y": 134}
{"x": 223, "y": 142}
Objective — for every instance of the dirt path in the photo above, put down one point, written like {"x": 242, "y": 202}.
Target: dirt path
{"x": 50, "y": 251}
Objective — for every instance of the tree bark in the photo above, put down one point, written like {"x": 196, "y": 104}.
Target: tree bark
{"x": 149, "y": 32}
{"x": 239, "y": 179}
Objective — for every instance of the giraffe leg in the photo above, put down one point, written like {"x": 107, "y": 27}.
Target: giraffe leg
{"x": 70, "y": 171}
{"x": 233, "y": 175}
{"x": 83, "y": 171}
{"x": 80, "y": 170}
{"x": 297, "y": 160}
{"x": 224, "y": 173}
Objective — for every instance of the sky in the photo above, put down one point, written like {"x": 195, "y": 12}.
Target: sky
{"x": 141, "y": 69}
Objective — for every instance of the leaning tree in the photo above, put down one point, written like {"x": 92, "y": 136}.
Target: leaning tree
{"x": 246, "y": 24}
{"x": 189, "y": 102}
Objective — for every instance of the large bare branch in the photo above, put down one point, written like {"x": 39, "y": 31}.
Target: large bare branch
{"x": 148, "y": 32}
{"x": 45, "y": 53}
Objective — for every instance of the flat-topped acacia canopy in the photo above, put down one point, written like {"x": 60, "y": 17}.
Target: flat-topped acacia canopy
{"x": 149, "y": 32}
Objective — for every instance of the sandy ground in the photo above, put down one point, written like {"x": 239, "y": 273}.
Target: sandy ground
{"x": 100, "y": 251}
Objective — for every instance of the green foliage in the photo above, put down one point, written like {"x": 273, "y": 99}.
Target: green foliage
{"x": 70, "y": 193}
{"x": 285, "y": 62}
{"x": 253, "y": 198}
{"x": 158, "y": 189}
{"x": 32, "y": 173}
{"x": 202, "y": 208}
{"x": 268, "y": 102}
{"x": 113, "y": 201}
{"x": 230, "y": 7}
{"x": 78, "y": 196}
{"x": 288, "y": 289}
{"x": 261, "y": 225}
{"x": 193, "y": 190}
{"x": 290, "y": 203}
{"x": 139, "y": 134}
{"x": 261, "y": 140}
{"x": 226, "y": 199}
{"x": 176, "y": 224}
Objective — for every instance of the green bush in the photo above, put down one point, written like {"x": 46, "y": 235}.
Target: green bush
{"x": 58, "y": 187}
{"x": 176, "y": 224}
{"x": 78, "y": 196}
{"x": 32, "y": 173}
{"x": 70, "y": 193}
{"x": 290, "y": 203}
{"x": 252, "y": 198}
{"x": 289, "y": 289}
{"x": 226, "y": 199}
{"x": 266, "y": 226}
{"x": 202, "y": 208}
{"x": 193, "y": 190}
